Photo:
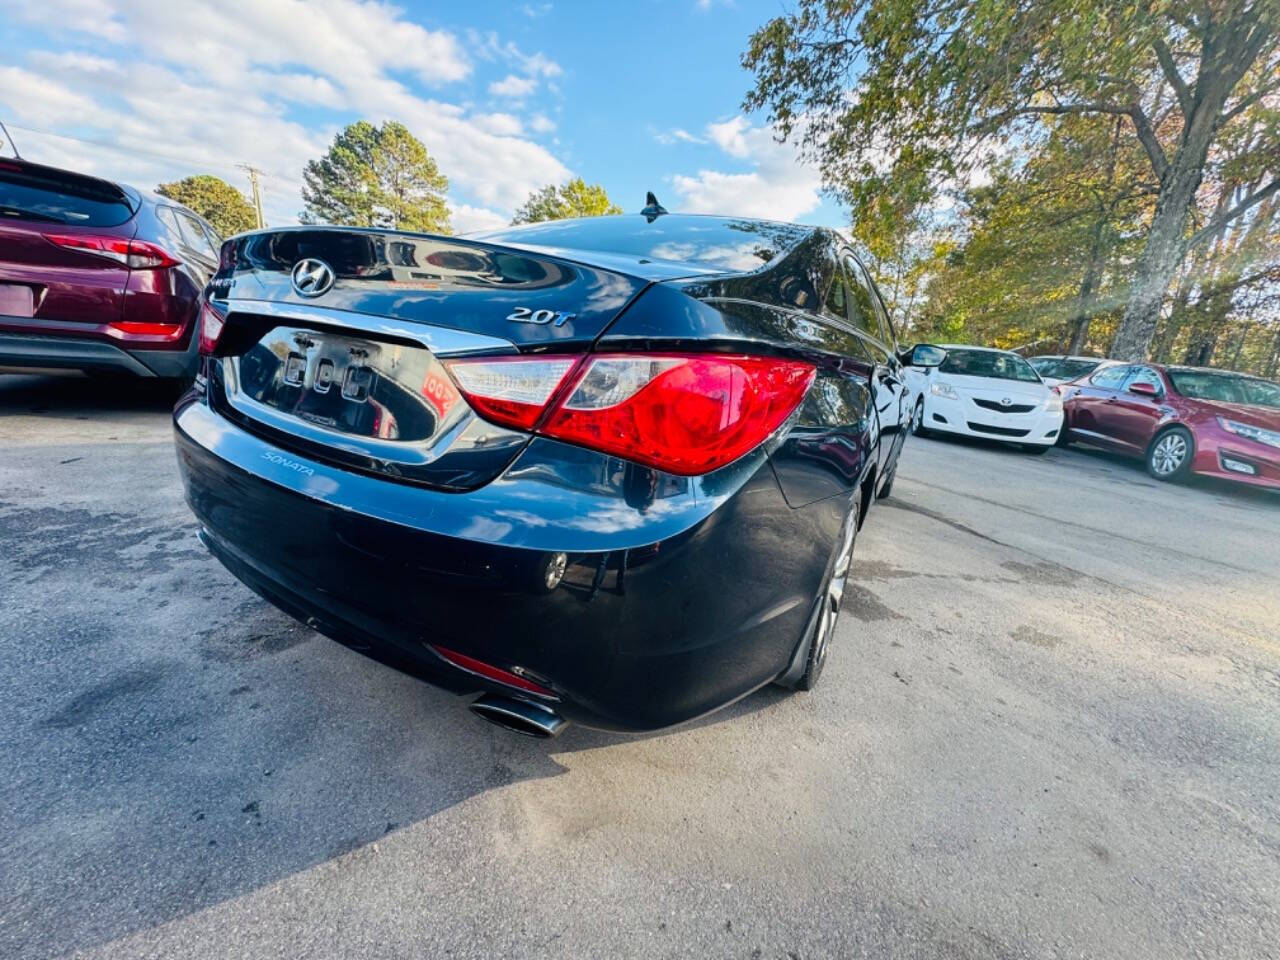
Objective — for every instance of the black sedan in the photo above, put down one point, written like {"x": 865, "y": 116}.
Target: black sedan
{"x": 605, "y": 470}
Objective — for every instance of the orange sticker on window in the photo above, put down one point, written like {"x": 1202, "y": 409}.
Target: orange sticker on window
{"x": 440, "y": 393}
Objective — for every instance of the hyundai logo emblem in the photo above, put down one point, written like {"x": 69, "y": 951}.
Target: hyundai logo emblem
{"x": 311, "y": 278}
{"x": 1005, "y": 401}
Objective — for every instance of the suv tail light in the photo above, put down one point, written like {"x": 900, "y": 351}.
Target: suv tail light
{"x": 684, "y": 414}
{"x": 134, "y": 254}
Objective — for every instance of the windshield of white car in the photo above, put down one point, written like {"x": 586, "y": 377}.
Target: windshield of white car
{"x": 988, "y": 363}
{"x": 1062, "y": 368}
{"x": 1225, "y": 388}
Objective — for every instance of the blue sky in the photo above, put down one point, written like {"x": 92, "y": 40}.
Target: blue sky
{"x": 506, "y": 96}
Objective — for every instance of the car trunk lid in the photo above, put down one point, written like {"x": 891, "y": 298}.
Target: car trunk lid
{"x": 345, "y": 365}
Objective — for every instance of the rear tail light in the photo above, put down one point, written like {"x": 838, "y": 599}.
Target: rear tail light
{"x": 135, "y": 254}
{"x": 511, "y": 390}
{"x": 211, "y": 324}
{"x": 684, "y": 414}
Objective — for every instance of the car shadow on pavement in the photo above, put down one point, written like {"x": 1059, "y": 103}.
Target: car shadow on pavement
{"x": 173, "y": 759}
{"x": 70, "y": 394}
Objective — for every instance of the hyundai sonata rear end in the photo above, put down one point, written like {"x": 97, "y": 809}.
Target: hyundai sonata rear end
{"x": 596, "y": 484}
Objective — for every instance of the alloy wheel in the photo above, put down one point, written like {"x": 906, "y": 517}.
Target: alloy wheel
{"x": 1169, "y": 454}
{"x": 835, "y": 591}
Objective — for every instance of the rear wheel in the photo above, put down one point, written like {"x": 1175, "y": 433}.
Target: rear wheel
{"x": 829, "y": 600}
{"x": 1169, "y": 456}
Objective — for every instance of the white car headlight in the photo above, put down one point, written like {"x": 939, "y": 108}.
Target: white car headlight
{"x": 1247, "y": 430}
{"x": 944, "y": 390}
{"x": 1054, "y": 403}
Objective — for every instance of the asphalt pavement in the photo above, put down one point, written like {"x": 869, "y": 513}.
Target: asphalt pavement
{"x": 1049, "y": 727}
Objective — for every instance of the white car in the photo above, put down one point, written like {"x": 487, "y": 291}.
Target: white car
{"x": 1058, "y": 369}
{"x": 983, "y": 392}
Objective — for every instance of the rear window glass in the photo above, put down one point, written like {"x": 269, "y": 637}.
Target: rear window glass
{"x": 716, "y": 242}
{"x": 1201, "y": 385}
{"x": 988, "y": 363}
{"x": 50, "y": 197}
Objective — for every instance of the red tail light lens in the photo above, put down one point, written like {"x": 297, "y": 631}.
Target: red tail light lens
{"x": 134, "y": 254}
{"x": 490, "y": 672}
{"x": 211, "y": 324}
{"x": 687, "y": 414}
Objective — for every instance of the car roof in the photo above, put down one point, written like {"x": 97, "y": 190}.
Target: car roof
{"x": 1067, "y": 356}
{"x": 970, "y": 346}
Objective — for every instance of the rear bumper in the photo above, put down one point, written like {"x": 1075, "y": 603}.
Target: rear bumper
{"x": 681, "y": 595}
{"x": 72, "y": 351}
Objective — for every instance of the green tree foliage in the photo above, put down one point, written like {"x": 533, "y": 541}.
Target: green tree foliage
{"x": 1046, "y": 246}
{"x": 887, "y": 92}
{"x": 215, "y": 200}
{"x": 376, "y": 177}
{"x": 577, "y": 198}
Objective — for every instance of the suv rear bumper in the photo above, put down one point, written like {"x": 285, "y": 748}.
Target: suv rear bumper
{"x": 681, "y": 595}
{"x": 52, "y": 351}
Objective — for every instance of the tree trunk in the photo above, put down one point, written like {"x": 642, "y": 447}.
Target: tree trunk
{"x": 1166, "y": 241}
{"x": 1079, "y": 324}
{"x": 1163, "y": 252}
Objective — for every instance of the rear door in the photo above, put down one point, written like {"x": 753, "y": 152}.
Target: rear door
{"x": 1093, "y": 403}
{"x": 888, "y": 388}
{"x": 198, "y": 252}
{"x": 50, "y": 222}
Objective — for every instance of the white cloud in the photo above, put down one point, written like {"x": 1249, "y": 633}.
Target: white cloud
{"x": 198, "y": 85}
{"x": 513, "y": 86}
{"x": 535, "y": 10}
{"x": 469, "y": 219}
{"x": 778, "y": 186}
{"x": 499, "y": 124}
{"x": 541, "y": 123}
{"x": 684, "y": 136}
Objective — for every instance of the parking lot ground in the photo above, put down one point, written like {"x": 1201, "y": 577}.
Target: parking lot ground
{"x": 1049, "y": 727}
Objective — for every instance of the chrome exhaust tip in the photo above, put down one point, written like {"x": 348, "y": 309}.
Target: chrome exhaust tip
{"x": 519, "y": 716}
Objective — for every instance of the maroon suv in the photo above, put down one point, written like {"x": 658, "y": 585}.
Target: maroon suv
{"x": 1180, "y": 419}
{"x": 98, "y": 276}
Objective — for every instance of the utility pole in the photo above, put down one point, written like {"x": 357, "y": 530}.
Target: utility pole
{"x": 257, "y": 192}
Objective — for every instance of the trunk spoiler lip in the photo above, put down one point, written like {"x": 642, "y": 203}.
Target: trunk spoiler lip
{"x": 441, "y": 341}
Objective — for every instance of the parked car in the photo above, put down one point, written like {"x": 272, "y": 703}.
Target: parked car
{"x": 1054, "y": 370}
{"x": 607, "y": 470}
{"x": 1181, "y": 420}
{"x": 984, "y": 392}
{"x": 98, "y": 276}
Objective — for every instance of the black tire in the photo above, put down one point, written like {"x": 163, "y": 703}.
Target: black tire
{"x": 887, "y": 489}
{"x": 1037, "y": 449}
{"x": 1170, "y": 454}
{"x": 827, "y": 606}
{"x": 918, "y": 428}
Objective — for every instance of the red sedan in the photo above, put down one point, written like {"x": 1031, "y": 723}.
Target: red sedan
{"x": 1181, "y": 420}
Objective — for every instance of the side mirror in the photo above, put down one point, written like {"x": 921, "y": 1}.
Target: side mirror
{"x": 1144, "y": 389}
{"x": 925, "y": 355}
